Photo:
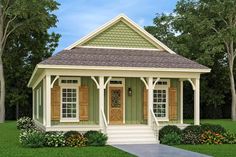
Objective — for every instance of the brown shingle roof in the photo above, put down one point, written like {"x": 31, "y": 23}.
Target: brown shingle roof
{"x": 121, "y": 58}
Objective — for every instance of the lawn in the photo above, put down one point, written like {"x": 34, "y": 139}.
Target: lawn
{"x": 224, "y": 150}
{"x": 10, "y": 147}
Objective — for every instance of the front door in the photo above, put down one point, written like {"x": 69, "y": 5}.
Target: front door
{"x": 115, "y": 105}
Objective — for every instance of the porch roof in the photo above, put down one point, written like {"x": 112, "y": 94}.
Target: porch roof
{"x": 108, "y": 57}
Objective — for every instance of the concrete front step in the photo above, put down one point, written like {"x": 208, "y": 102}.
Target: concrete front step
{"x": 131, "y": 134}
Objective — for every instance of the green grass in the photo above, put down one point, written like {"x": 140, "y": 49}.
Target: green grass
{"x": 10, "y": 147}
{"x": 224, "y": 150}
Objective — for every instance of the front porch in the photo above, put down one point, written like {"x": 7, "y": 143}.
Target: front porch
{"x": 141, "y": 100}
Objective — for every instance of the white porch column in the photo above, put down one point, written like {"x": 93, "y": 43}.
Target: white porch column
{"x": 197, "y": 102}
{"x": 181, "y": 101}
{"x": 101, "y": 99}
{"x": 48, "y": 100}
{"x": 150, "y": 98}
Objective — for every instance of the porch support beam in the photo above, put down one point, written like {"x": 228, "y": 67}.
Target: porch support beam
{"x": 101, "y": 87}
{"x": 181, "y": 101}
{"x": 192, "y": 83}
{"x": 145, "y": 82}
{"x": 54, "y": 81}
{"x": 150, "y": 87}
{"x": 48, "y": 100}
{"x": 101, "y": 99}
{"x": 197, "y": 102}
{"x": 150, "y": 98}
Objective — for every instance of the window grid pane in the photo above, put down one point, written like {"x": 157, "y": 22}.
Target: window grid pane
{"x": 159, "y": 103}
{"x": 69, "y": 100}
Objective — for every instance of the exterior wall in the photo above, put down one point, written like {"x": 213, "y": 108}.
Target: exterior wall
{"x": 119, "y": 35}
{"x": 40, "y": 119}
{"x": 93, "y": 106}
{"x": 134, "y": 103}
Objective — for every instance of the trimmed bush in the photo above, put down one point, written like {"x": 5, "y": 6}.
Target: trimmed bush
{"x": 167, "y": 130}
{"x": 70, "y": 133}
{"x": 55, "y": 139}
{"x": 191, "y": 134}
{"x": 32, "y": 138}
{"x": 171, "y": 139}
{"x": 229, "y": 138}
{"x": 76, "y": 140}
{"x": 25, "y": 123}
{"x": 214, "y": 128}
{"x": 209, "y": 137}
{"x": 96, "y": 138}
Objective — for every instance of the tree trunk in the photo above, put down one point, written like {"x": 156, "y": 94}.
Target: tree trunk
{"x": 2, "y": 81}
{"x": 230, "y": 50}
{"x": 232, "y": 87}
{"x": 17, "y": 111}
{"x": 2, "y": 92}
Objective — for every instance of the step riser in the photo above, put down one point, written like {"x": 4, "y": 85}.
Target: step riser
{"x": 130, "y": 135}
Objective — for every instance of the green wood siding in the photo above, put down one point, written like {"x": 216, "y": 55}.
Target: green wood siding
{"x": 93, "y": 99}
{"x": 40, "y": 119}
{"x": 134, "y": 103}
{"x": 119, "y": 35}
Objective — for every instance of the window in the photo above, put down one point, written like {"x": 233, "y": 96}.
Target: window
{"x": 160, "y": 100}
{"x": 69, "y": 99}
{"x": 159, "y": 103}
{"x": 69, "y": 81}
{"x": 69, "y": 103}
{"x": 38, "y": 101}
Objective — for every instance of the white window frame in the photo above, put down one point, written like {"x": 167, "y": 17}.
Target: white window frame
{"x": 38, "y": 101}
{"x": 70, "y": 86}
{"x": 164, "y": 87}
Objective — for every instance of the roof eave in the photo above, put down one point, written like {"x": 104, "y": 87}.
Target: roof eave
{"x": 193, "y": 70}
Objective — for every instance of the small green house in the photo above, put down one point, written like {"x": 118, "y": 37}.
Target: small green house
{"x": 119, "y": 79}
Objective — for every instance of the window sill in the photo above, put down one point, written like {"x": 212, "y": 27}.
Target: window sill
{"x": 69, "y": 120}
{"x": 162, "y": 119}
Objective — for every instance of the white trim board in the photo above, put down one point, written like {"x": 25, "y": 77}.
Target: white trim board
{"x": 128, "y": 21}
{"x": 46, "y": 66}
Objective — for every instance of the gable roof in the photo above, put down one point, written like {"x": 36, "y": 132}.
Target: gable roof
{"x": 156, "y": 43}
{"x": 101, "y": 57}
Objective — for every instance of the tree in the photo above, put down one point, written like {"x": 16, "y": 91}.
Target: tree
{"x": 20, "y": 17}
{"x": 190, "y": 31}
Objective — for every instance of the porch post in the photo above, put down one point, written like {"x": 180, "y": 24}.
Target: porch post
{"x": 101, "y": 99}
{"x": 150, "y": 98}
{"x": 48, "y": 100}
{"x": 181, "y": 101}
{"x": 197, "y": 102}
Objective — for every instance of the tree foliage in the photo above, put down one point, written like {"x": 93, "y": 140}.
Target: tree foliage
{"x": 27, "y": 23}
{"x": 204, "y": 31}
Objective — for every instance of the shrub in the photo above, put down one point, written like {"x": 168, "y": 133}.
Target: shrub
{"x": 95, "y": 138}
{"x": 70, "y": 133}
{"x": 169, "y": 129}
{"x": 209, "y": 137}
{"x": 32, "y": 138}
{"x": 25, "y": 123}
{"x": 171, "y": 139}
{"x": 214, "y": 128}
{"x": 76, "y": 140}
{"x": 55, "y": 139}
{"x": 191, "y": 134}
{"x": 229, "y": 138}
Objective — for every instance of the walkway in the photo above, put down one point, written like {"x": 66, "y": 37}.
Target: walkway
{"x": 157, "y": 150}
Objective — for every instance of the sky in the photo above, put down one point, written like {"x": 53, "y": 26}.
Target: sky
{"x": 77, "y": 18}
